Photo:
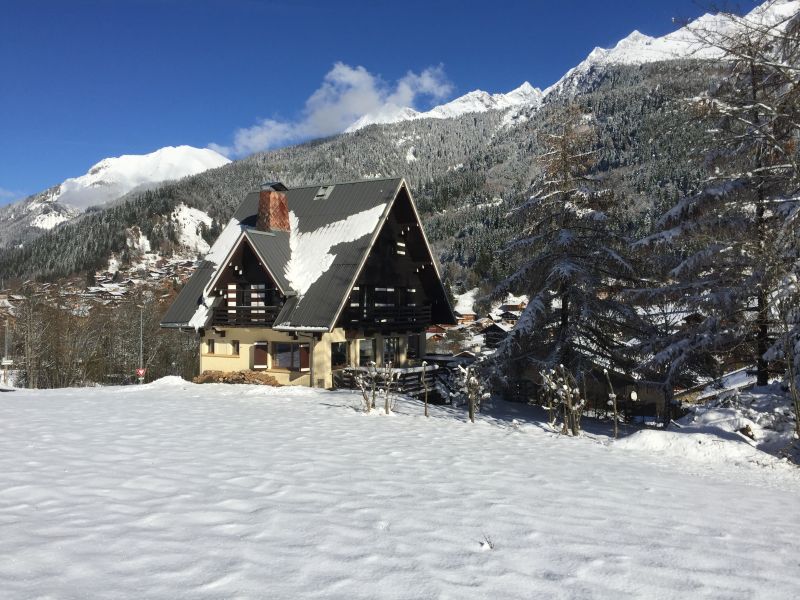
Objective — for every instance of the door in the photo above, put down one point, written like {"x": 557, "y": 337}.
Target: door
{"x": 260, "y": 355}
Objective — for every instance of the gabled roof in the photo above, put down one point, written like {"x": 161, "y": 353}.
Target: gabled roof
{"x": 315, "y": 266}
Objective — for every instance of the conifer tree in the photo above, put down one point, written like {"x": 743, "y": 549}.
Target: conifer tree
{"x": 737, "y": 231}
{"x": 570, "y": 259}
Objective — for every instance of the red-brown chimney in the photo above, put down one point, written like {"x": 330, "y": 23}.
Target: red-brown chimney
{"x": 273, "y": 211}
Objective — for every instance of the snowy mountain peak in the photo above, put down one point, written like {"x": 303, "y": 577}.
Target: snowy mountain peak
{"x": 684, "y": 43}
{"x": 472, "y": 102}
{"x": 113, "y": 177}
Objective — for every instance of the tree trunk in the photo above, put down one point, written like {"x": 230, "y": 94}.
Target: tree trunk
{"x": 762, "y": 342}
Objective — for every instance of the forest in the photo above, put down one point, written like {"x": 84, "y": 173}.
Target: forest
{"x": 650, "y": 212}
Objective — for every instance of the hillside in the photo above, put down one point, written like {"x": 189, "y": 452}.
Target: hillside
{"x": 466, "y": 173}
{"x": 212, "y": 491}
{"x": 103, "y": 184}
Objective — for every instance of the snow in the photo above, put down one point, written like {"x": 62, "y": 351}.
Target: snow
{"x": 705, "y": 448}
{"x": 189, "y": 223}
{"x": 465, "y": 303}
{"x": 218, "y": 252}
{"x": 476, "y": 101}
{"x": 734, "y": 380}
{"x": 137, "y": 241}
{"x": 765, "y": 413}
{"x": 311, "y": 254}
{"x": 49, "y": 220}
{"x": 390, "y": 113}
{"x": 224, "y": 242}
{"x": 411, "y": 154}
{"x": 113, "y": 177}
{"x": 113, "y": 264}
{"x": 175, "y": 490}
{"x": 638, "y": 48}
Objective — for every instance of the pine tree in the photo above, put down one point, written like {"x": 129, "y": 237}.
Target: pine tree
{"x": 570, "y": 259}
{"x": 737, "y": 230}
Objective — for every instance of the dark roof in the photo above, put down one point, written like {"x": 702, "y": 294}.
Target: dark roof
{"x": 185, "y": 305}
{"x": 273, "y": 248}
{"x": 317, "y": 308}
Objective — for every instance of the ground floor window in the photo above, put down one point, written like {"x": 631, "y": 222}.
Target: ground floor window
{"x": 209, "y": 346}
{"x": 290, "y": 356}
{"x": 391, "y": 350}
{"x": 338, "y": 355}
{"x": 366, "y": 352}
{"x": 413, "y": 347}
{"x": 235, "y": 347}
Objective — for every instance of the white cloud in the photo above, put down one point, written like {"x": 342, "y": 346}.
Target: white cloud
{"x": 346, "y": 94}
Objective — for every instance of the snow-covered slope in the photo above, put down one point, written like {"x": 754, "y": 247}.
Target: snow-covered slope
{"x": 105, "y": 182}
{"x": 475, "y": 101}
{"x": 636, "y": 48}
{"x": 189, "y": 227}
{"x": 113, "y": 177}
{"x": 685, "y": 43}
{"x": 175, "y": 490}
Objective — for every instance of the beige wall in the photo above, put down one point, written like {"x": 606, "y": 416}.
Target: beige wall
{"x": 224, "y": 360}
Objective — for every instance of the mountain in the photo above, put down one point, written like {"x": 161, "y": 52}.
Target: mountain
{"x": 112, "y": 178}
{"x": 682, "y": 44}
{"x": 464, "y": 175}
{"x": 105, "y": 182}
{"x": 476, "y": 101}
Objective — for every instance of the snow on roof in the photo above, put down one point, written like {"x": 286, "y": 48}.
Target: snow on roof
{"x": 224, "y": 243}
{"x": 311, "y": 254}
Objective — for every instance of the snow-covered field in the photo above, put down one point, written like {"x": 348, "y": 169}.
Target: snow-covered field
{"x": 174, "y": 490}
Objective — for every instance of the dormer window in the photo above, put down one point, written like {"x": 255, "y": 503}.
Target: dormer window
{"x": 323, "y": 192}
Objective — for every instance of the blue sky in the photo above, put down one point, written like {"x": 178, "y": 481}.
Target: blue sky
{"x": 84, "y": 79}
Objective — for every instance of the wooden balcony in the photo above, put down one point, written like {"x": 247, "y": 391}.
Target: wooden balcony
{"x": 387, "y": 317}
{"x": 245, "y": 316}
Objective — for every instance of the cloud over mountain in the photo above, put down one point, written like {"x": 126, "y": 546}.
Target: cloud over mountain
{"x": 346, "y": 94}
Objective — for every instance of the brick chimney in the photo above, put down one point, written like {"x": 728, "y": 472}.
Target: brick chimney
{"x": 273, "y": 212}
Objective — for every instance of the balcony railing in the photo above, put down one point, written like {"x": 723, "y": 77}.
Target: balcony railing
{"x": 245, "y": 316}
{"x": 383, "y": 317}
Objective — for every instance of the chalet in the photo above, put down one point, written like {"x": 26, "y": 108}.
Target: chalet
{"x": 510, "y": 316}
{"x": 436, "y": 328}
{"x": 495, "y": 333}
{"x": 305, "y": 281}
{"x": 465, "y": 317}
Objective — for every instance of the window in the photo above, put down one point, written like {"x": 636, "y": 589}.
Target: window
{"x": 290, "y": 356}
{"x": 366, "y": 352}
{"x": 391, "y": 350}
{"x": 323, "y": 192}
{"x": 210, "y": 346}
{"x": 413, "y": 347}
{"x": 338, "y": 355}
{"x": 384, "y": 297}
{"x": 401, "y": 248}
{"x": 355, "y": 296}
{"x": 235, "y": 347}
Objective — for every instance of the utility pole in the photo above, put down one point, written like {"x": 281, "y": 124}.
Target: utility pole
{"x": 140, "y": 370}
{"x": 6, "y": 360}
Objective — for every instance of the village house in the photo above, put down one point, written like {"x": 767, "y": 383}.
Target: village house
{"x": 305, "y": 281}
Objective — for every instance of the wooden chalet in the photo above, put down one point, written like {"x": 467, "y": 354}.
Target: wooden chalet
{"x": 495, "y": 333}
{"x": 305, "y": 281}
